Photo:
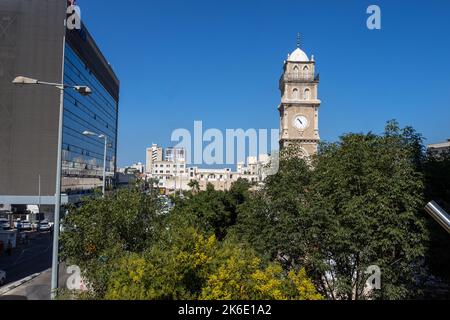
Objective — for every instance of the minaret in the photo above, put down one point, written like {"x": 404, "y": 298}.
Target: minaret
{"x": 299, "y": 108}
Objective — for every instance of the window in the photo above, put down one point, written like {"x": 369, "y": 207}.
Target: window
{"x": 295, "y": 94}
{"x": 307, "y": 94}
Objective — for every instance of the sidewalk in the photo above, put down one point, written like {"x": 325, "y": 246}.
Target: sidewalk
{"x": 36, "y": 288}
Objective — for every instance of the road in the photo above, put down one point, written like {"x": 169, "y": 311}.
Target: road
{"x": 32, "y": 258}
{"x": 35, "y": 257}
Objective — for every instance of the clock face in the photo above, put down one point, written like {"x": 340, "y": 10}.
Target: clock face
{"x": 300, "y": 122}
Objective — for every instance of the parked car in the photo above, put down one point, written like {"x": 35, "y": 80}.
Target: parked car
{"x": 23, "y": 225}
{"x": 2, "y": 277}
{"x": 44, "y": 226}
{"x": 4, "y": 224}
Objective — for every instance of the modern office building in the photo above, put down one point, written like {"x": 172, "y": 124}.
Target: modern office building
{"x": 32, "y": 44}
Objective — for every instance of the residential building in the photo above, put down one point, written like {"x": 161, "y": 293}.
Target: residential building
{"x": 438, "y": 149}
{"x": 31, "y": 44}
{"x": 137, "y": 167}
{"x": 154, "y": 153}
{"x": 220, "y": 179}
{"x": 173, "y": 174}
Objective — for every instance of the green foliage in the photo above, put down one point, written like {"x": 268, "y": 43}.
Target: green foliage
{"x": 198, "y": 267}
{"x": 372, "y": 195}
{"x": 213, "y": 210}
{"x": 101, "y": 229}
{"x": 357, "y": 204}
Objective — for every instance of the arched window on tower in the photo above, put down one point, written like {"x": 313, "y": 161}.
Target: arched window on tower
{"x": 295, "y": 94}
{"x": 307, "y": 95}
{"x": 296, "y": 72}
{"x": 306, "y": 72}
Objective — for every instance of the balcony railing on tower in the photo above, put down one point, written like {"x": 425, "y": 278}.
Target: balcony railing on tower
{"x": 300, "y": 77}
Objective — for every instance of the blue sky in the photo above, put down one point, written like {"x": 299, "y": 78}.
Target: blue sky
{"x": 220, "y": 62}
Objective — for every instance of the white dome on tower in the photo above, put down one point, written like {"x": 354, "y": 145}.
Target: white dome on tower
{"x": 298, "y": 56}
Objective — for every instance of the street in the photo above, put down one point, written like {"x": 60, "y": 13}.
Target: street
{"x": 30, "y": 259}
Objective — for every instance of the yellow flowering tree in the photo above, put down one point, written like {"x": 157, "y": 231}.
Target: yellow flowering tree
{"x": 245, "y": 278}
{"x": 194, "y": 266}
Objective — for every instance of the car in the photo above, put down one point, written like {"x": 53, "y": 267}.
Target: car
{"x": 24, "y": 225}
{"x": 2, "y": 277}
{"x": 44, "y": 226}
{"x": 4, "y": 224}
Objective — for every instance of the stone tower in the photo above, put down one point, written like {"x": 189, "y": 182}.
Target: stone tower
{"x": 299, "y": 108}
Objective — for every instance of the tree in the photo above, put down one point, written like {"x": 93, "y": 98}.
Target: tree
{"x": 198, "y": 267}
{"x": 243, "y": 278}
{"x": 271, "y": 220}
{"x": 357, "y": 204}
{"x": 194, "y": 185}
{"x": 368, "y": 194}
{"x": 213, "y": 210}
{"x": 102, "y": 229}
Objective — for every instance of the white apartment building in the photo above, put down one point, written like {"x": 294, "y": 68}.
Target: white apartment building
{"x": 154, "y": 153}
{"x": 438, "y": 149}
{"x": 221, "y": 179}
{"x": 168, "y": 166}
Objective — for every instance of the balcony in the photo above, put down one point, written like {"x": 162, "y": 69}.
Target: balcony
{"x": 300, "y": 77}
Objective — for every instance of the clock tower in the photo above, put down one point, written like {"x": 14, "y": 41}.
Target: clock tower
{"x": 299, "y": 108}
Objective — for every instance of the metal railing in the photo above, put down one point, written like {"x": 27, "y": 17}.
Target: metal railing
{"x": 442, "y": 217}
{"x": 300, "y": 76}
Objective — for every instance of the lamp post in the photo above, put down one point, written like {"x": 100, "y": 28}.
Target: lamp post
{"x": 105, "y": 137}
{"x": 85, "y": 91}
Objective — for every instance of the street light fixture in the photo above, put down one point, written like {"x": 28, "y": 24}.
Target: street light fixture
{"x": 105, "y": 137}
{"x": 83, "y": 90}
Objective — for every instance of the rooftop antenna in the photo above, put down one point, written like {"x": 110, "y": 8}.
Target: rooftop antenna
{"x": 298, "y": 40}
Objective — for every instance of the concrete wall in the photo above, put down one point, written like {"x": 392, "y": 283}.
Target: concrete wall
{"x": 31, "y": 44}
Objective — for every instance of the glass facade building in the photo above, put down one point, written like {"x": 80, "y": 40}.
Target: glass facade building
{"x": 35, "y": 43}
{"x": 83, "y": 155}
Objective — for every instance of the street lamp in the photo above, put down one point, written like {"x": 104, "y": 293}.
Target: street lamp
{"x": 105, "y": 137}
{"x": 85, "y": 91}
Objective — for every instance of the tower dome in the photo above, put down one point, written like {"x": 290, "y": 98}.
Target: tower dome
{"x": 298, "y": 56}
